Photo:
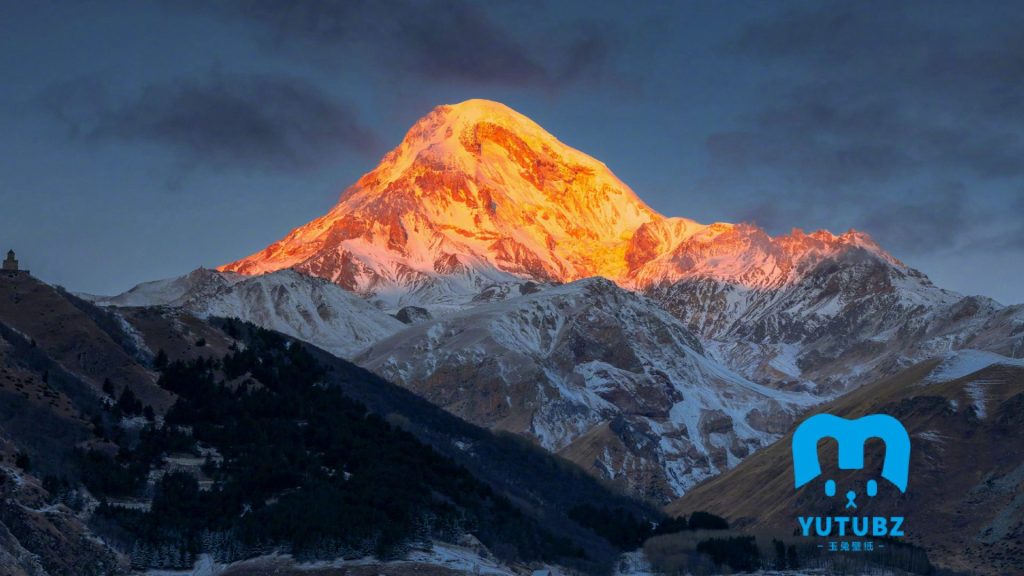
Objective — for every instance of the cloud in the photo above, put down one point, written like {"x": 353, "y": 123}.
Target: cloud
{"x": 220, "y": 120}
{"x": 832, "y": 134}
{"x": 904, "y": 119}
{"x": 929, "y": 219}
{"x": 435, "y": 40}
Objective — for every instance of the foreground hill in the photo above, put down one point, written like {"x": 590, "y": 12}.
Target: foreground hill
{"x": 95, "y": 477}
{"x": 62, "y": 360}
{"x": 89, "y": 342}
{"x": 965, "y": 500}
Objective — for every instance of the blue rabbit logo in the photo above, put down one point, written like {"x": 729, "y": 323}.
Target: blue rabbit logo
{"x": 851, "y": 436}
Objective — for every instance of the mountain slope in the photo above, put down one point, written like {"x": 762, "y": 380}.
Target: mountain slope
{"x": 63, "y": 363}
{"x": 597, "y": 374}
{"x": 965, "y": 499}
{"x": 87, "y": 341}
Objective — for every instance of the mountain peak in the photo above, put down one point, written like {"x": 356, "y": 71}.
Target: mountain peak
{"x": 479, "y": 132}
{"x": 476, "y": 111}
{"x": 479, "y": 108}
{"x": 448, "y": 121}
{"x": 473, "y": 189}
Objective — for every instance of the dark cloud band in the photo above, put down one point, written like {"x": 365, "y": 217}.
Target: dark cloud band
{"x": 221, "y": 120}
{"x": 432, "y": 40}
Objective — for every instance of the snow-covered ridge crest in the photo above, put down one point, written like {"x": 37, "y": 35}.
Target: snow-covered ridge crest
{"x": 309, "y": 308}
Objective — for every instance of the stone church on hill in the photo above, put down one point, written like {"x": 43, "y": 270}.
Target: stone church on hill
{"x": 10, "y": 266}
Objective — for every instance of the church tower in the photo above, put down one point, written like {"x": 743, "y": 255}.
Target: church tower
{"x": 11, "y": 263}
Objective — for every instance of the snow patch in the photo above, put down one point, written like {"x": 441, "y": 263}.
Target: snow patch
{"x": 965, "y": 362}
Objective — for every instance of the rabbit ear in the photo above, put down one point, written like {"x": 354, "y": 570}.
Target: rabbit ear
{"x": 805, "y": 446}
{"x": 896, "y": 468}
{"x": 851, "y": 436}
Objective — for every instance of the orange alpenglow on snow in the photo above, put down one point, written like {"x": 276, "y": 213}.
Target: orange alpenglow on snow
{"x": 477, "y": 193}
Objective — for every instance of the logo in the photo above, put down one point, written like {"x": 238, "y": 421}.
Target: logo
{"x": 851, "y": 436}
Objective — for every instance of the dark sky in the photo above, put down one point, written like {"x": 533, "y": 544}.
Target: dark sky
{"x": 139, "y": 140}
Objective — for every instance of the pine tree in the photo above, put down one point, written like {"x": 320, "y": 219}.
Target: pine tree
{"x": 128, "y": 403}
{"x": 792, "y": 560}
{"x": 780, "y": 554}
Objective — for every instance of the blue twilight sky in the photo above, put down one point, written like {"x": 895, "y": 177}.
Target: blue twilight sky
{"x": 141, "y": 139}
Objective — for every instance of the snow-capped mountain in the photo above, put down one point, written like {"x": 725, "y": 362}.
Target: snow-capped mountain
{"x": 596, "y": 373}
{"x": 477, "y": 196}
{"x": 466, "y": 230}
{"x": 303, "y": 306}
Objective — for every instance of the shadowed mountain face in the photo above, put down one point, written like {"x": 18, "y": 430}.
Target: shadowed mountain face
{"x": 61, "y": 360}
{"x": 843, "y": 322}
{"x": 597, "y": 374}
{"x": 965, "y": 498}
{"x": 594, "y": 372}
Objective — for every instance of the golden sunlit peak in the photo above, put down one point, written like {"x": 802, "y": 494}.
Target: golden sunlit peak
{"x": 443, "y": 133}
{"x": 476, "y": 189}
